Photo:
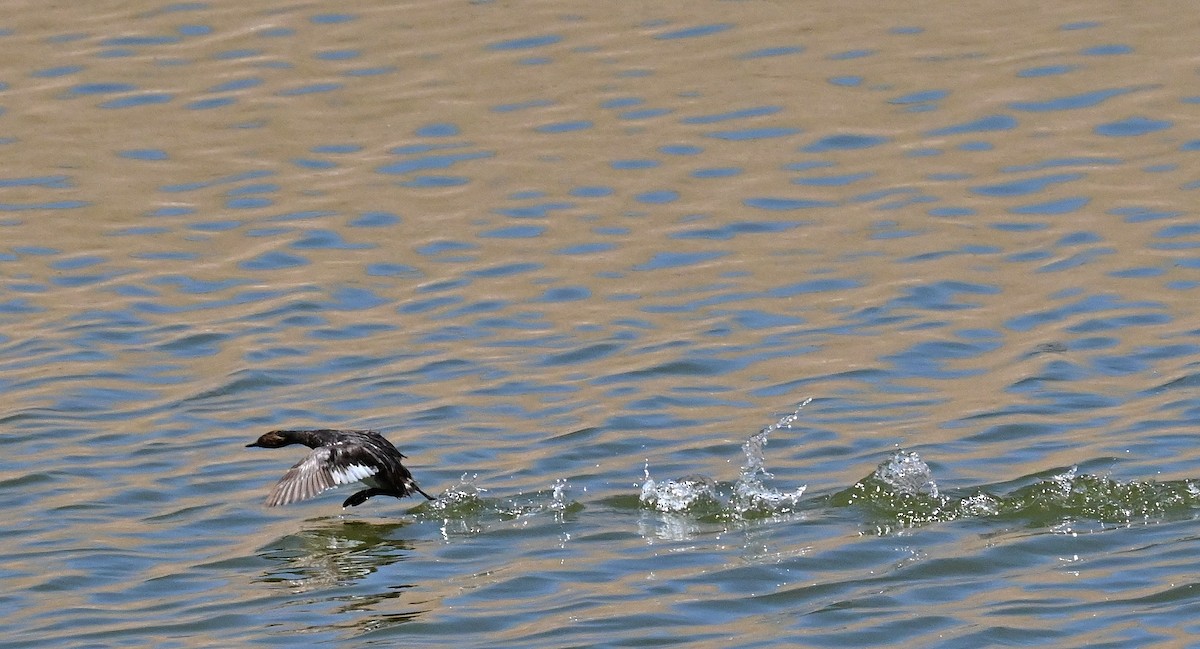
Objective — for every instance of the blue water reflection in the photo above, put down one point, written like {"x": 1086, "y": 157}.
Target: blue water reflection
{"x": 1072, "y": 102}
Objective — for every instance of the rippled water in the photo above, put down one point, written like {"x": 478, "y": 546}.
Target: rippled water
{"x": 569, "y": 259}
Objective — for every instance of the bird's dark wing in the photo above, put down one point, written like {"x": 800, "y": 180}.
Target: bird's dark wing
{"x": 317, "y": 472}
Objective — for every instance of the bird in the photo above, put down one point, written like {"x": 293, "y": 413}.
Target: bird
{"x": 339, "y": 457}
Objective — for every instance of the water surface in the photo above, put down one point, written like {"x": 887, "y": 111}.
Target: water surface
{"x": 565, "y": 256}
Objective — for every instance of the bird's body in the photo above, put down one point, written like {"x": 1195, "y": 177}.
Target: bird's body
{"x": 340, "y": 457}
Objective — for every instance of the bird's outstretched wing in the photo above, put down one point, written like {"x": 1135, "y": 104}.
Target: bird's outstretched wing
{"x": 316, "y": 473}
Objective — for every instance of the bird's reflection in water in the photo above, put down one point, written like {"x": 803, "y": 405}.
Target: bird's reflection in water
{"x": 333, "y": 553}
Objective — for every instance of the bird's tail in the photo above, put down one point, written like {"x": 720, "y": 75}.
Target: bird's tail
{"x": 413, "y": 487}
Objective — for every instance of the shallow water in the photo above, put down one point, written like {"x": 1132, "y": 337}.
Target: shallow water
{"x": 565, "y": 256}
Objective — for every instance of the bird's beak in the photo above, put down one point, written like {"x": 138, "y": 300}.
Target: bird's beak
{"x": 252, "y": 444}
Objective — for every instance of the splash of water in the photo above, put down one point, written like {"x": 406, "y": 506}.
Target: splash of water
{"x": 465, "y": 510}
{"x": 461, "y": 495}
{"x": 559, "y": 497}
{"x": 901, "y": 493}
{"x": 750, "y": 494}
{"x": 459, "y": 507}
{"x": 753, "y": 448}
{"x": 685, "y": 494}
{"x": 748, "y": 497}
{"x": 908, "y": 474}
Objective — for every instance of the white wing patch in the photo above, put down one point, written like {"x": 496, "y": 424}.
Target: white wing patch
{"x": 314, "y": 474}
{"x": 351, "y": 473}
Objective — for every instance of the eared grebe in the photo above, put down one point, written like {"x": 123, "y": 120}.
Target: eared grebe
{"x": 340, "y": 457}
